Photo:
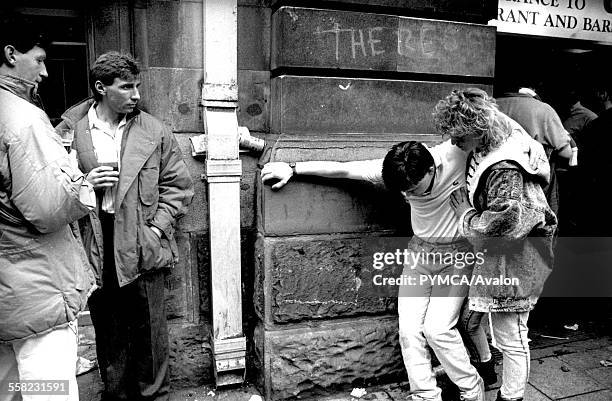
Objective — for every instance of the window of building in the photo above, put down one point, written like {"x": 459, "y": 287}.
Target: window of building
{"x": 67, "y": 58}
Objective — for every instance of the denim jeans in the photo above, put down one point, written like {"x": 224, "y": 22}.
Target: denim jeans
{"x": 425, "y": 318}
{"x": 473, "y": 334}
{"x": 510, "y": 335}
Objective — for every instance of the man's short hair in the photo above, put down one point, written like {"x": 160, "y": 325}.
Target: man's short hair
{"x": 112, "y": 65}
{"x": 405, "y": 165}
{"x": 21, "y": 32}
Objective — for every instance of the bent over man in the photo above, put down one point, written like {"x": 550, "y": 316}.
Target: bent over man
{"x": 426, "y": 176}
{"x": 142, "y": 186}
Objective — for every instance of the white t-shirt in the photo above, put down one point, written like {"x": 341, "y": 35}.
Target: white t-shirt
{"x": 433, "y": 219}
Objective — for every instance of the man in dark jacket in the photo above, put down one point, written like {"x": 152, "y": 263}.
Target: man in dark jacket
{"x": 44, "y": 274}
{"x": 142, "y": 186}
{"x": 594, "y": 167}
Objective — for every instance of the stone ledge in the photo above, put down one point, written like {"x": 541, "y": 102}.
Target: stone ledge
{"x": 302, "y": 362}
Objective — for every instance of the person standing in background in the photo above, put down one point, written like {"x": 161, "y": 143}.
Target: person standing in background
{"x": 578, "y": 118}
{"x": 594, "y": 166}
{"x": 542, "y": 122}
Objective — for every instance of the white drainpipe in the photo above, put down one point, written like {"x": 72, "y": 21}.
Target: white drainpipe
{"x": 223, "y": 171}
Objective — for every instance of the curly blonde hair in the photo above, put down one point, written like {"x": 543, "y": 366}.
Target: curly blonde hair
{"x": 471, "y": 113}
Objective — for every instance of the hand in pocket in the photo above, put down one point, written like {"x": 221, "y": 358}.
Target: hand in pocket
{"x": 155, "y": 251}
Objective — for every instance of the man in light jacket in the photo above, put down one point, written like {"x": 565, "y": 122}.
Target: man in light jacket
{"x": 143, "y": 186}
{"x": 44, "y": 274}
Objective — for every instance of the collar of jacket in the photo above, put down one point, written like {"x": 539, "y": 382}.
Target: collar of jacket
{"x": 515, "y": 94}
{"x": 20, "y": 87}
{"x": 515, "y": 148}
{"x": 79, "y": 111}
{"x": 137, "y": 145}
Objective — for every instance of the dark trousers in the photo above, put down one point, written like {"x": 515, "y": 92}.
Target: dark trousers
{"x": 131, "y": 331}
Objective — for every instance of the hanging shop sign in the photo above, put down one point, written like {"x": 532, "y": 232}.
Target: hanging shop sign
{"x": 574, "y": 19}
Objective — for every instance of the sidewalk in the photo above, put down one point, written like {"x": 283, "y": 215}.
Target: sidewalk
{"x": 564, "y": 368}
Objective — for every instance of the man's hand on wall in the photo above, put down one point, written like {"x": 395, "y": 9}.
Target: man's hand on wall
{"x": 276, "y": 171}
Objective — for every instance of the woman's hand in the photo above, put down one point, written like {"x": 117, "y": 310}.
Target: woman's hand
{"x": 459, "y": 201}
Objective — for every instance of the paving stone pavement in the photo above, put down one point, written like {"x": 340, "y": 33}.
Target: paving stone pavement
{"x": 566, "y": 368}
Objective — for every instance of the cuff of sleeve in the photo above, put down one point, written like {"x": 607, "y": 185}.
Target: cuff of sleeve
{"x": 161, "y": 233}
{"x": 87, "y": 195}
{"x": 167, "y": 230}
{"x": 462, "y": 219}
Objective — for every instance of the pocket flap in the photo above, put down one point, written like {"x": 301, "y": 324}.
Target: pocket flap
{"x": 148, "y": 186}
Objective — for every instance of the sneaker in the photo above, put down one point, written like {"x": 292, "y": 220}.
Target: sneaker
{"x": 478, "y": 397}
{"x": 499, "y": 398}
{"x": 486, "y": 370}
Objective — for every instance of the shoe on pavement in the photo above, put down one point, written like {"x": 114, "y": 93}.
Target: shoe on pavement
{"x": 486, "y": 370}
{"x": 499, "y": 398}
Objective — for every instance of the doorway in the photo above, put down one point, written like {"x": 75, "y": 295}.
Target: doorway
{"x": 552, "y": 67}
{"x": 67, "y": 58}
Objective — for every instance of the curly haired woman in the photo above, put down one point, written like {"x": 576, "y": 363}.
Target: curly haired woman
{"x": 504, "y": 214}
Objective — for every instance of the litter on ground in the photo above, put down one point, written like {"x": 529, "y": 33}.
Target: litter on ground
{"x": 358, "y": 392}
